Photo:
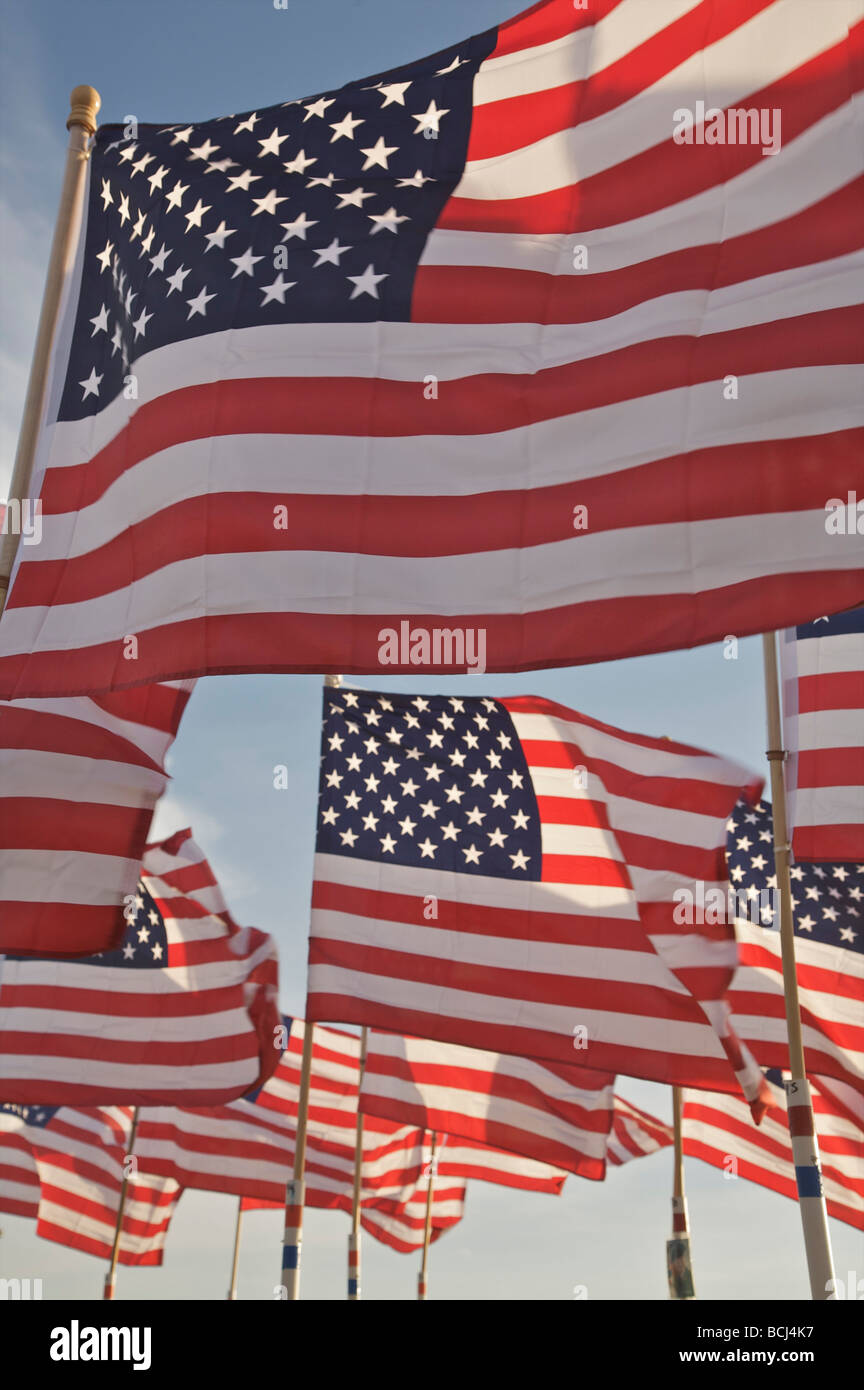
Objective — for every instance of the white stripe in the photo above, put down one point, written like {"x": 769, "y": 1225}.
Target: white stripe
{"x": 827, "y": 656}
{"x": 63, "y": 777}
{"x": 830, "y": 805}
{"x": 835, "y": 728}
{"x": 36, "y": 875}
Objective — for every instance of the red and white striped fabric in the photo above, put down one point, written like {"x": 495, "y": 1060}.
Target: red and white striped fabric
{"x": 19, "y": 1176}
{"x": 400, "y": 1226}
{"x": 185, "y": 1011}
{"x": 552, "y": 1114}
{"x": 566, "y": 380}
{"x": 79, "y": 781}
{"x": 247, "y": 1148}
{"x": 635, "y": 1133}
{"x": 465, "y": 1158}
{"x": 717, "y": 1128}
{"x": 79, "y": 1158}
{"x": 823, "y": 725}
{"x": 517, "y": 966}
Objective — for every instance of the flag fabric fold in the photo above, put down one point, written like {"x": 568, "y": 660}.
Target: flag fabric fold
{"x": 594, "y": 271}
{"x": 184, "y": 1010}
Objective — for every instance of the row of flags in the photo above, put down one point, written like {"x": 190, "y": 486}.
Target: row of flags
{"x": 526, "y": 366}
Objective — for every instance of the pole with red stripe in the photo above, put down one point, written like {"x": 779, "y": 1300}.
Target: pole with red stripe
{"x": 354, "y": 1237}
{"x": 295, "y": 1196}
{"x": 805, "y": 1148}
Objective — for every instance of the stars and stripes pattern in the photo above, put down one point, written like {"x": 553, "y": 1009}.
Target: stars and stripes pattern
{"x": 465, "y": 1158}
{"x": 495, "y": 268}
{"x": 183, "y": 1010}
{"x": 79, "y": 781}
{"x": 78, "y": 1157}
{"x": 499, "y": 874}
{"x": 718, "y": 1129}
{"x": 823, "y": 725}
{"x": 552, "y": 1114}
{"x": 828, "y": 908}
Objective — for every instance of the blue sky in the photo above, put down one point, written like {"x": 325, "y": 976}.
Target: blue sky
{"x": 171, "y": 62}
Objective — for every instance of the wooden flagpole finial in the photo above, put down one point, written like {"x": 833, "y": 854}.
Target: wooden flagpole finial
{"x": 84, "y": 104}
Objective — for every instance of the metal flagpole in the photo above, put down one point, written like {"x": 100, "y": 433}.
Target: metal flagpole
{"x": 111, "y": 1276}
{"x": 422, "y": 1278}
{"x": 232, "y": 1291}
{"x": 296, "y": 1193}
{"x": 84, "y": 104}
{"x": 802, "y": 1130}
{"x": 354, "y": 1237}
{"x": 678, "y": 1267}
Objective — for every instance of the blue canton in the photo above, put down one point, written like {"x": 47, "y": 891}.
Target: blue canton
{"x": 427, "y": 781}
{"x": 315, "y": 211}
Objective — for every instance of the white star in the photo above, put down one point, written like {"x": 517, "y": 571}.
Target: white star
{"x": 105, "y": 256}
{"x": 242, "y": 181}
{"x": 204, "y": 151}
{"x": 496, "y": 837}
{"x": 299, "y": 164}
{"x": 457, "y": 63}
{"x": 142, "y": 164}
{"x": 272, "y": 143}
{"x": 245, "y": 263}
{"x": 416, "y": 181}
{"x": 476, "y": 816}
{"x": 317, "y": 108}
{"x": 388, "y": 844}
{"x": 386, "y": 221}
{"x": 219, "y": 237}
{"x": 249, "y": 123}
{"x": 158, "y": 261}
{"x": 430, "y": 118}
{"x": 326, "y": 182}
{"x": 520, "y": 820}
{"x": 198, "y": 305}
{"x": 175, "y": 197}
{"x": 128, "y": 951}
{"x": 298, "y": 227}
{"x": 127, "y": 154}
{"x": 378, "y": 154}
{"x": 519, "y": 860}
{"x": 450, "y": 831}
{"x": 329, "y": 816}
{"x": 105, "y": 195}
{"x": 117, "y": 339}
{"x": 354, "y": 199}
{"x": 394, "y": 92}
{"x": 157, "y": 951}
{"x": 140, "y": 324}
{"x": 100, "y": 323}
{"x": 806, "y": 923}
{"x": 193, "y": 218}
{"x": 176, "y": 280}
{"x": 348, "y": 838}
{"x": 409, "y": 788}
{"x": 472, "y": 854}
{"x": 367, "y": 283}
{"x": 407, "y": 826}
{"x": 429, "y": 809}
{"x": 345, "y": 127}
{"x": 331, "y": 253}
{"x": 370, "y": 821}
{"x": 91, "y": 385}
{"x": 124, "y": 210}
{"x": 277, "y": 290}
{"x": 427, "y": 849}
{"x": 181, "y": 136}
{"x": 268, "y": 203}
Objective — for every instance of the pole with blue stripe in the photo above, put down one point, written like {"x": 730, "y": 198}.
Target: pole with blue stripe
{"x": 805, "y": 1147}
{"x": 295, "y": 1195}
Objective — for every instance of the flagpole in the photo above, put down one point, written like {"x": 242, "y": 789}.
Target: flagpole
{"x": 354, "y": 1237}
{"x": 296, "y": 1194}
{"x": 802, "y": 1129}
{"x": 422, "y": 1279}
{"x": 84, "y": 104}
{"x": 232, "y": 1291}
{"x": 678, "y": 1265}
{"x": 111, "y": 1276}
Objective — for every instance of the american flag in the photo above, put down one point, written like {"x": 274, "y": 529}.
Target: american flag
{"x": 79, "y": 781}
{"x": 823, "y": 721}
{"x": 79, "y": 1157}
{"x": 718, "y": 1128}
{"x": 19, "y": 1176}
{"x": 183, "y": 1010}
{"x": 553, "y": 1114}
{"x": 454, "y": 345}
{"x": 828, "y": 906}
{"x": 465, "y": 1158}
{"x": 499, "y": 874}
{"x": 636, "y": 1134}
{"x": 247, "y": 1147}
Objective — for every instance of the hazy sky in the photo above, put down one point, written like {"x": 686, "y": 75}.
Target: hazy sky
{"x": 168, "y": 62}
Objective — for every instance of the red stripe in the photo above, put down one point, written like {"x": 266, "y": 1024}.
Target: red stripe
{"x": 832, "y": 767}
{"x": 831, "y": 690}
{"x": 59, "y": 929}
{"x": 572, "y": 635}
{"x": 549, "y": 20}
{"x": 490, "y": 294}
{"x": 668, "y": 173}
{"x": 510, "y": 124}
{"x": 838, "y": 842}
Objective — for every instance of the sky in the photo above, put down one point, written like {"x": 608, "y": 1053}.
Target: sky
{"x": 170, "y": 62}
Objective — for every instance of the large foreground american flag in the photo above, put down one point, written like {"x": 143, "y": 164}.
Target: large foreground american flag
{"x": 524, "y": 364}
{"x": 823, "y": 725}
{"x": 500, "y": 874}
{"x": 183, "y": 1011}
